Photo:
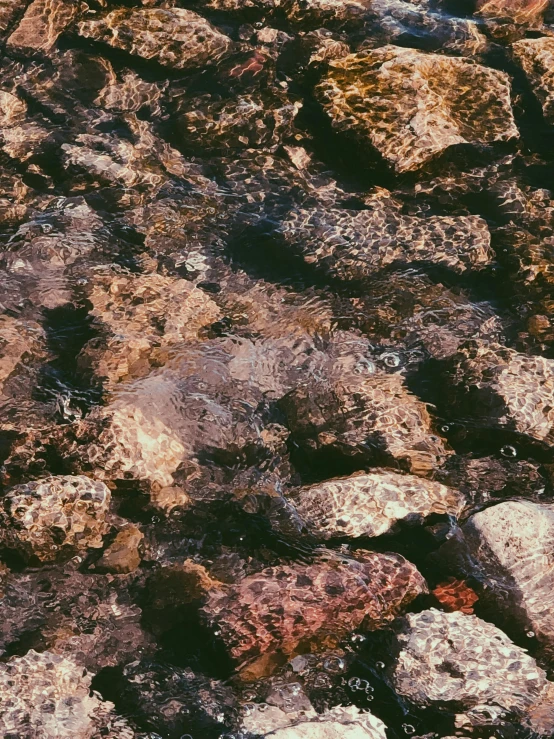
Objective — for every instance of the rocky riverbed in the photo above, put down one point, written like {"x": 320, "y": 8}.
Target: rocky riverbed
{"x": 276, "y": 369}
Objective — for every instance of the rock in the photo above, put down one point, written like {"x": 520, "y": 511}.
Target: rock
{"x": 123, "y": 554}
{"x": 455, "y": 595}
{"x": 314, "y": 14}
{"x": 20, "y": 341}
{"x": 131, "y": 94}
{"x": 174, "y": 37}
{"x": 55, "y": 516}
{"x": 41, "y": 25}
{"x": 354, "y": 244}
{"x": 372, "y": 504}
{"x": 336, "y": 723}
{"x": 520, "y": 12}
{"x": 536, "y": 56}
{"x": 212, "y": 124}
{"x": 44, "y": 694}
{"x": 145, "y": 317}
{"x": 509, "y": 547}
{"x": 459, "y": 662}
{"x": 9, "y": 12}
{"x": 504, "y": 389}
{"x": 392, "y": 82}
{"x": 363, "y": 414}
{"x": 285, "y": 607}
{"x": 88, "y": 618}
{"x": 12, "y": 109}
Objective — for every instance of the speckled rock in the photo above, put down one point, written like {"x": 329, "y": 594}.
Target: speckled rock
{"x": 510, "y": 546}
{"x": 174, "y": 37}
{"x": 372, "y": 504}
{"x": 55, "y": 516}
{"x": 337, "y": 723}
{"x": 354, "y": 244}
{"x": 44, "y": 695}
{"x": 41, "y": 25}
{"x": 504, "y": 389}
{"x": 536, "y": 57}
{"x": 459, "y": 661}
{"x": 286, "y": 606}
{"x": 361, "y": 412}
{"x": 373, "y": 94}
{"x": 145, "y": 316}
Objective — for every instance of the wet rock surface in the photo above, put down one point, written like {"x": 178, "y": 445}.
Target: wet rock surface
{"x": 276, "y": 373}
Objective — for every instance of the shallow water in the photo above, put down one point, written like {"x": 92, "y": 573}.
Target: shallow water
{"x": 245, "y": 251}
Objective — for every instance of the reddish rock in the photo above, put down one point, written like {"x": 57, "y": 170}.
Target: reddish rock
{"x": 288, "y": 607}
{"x": 455, "y": 595}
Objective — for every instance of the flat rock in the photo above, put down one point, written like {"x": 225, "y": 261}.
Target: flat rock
{"x": 286, "y": 606}
{"x": 141, "y": 317}
{"x": 337, "y": 723}
{"x": 536, "y": 57}
{"x": 55, "y": 516}
{"x": 510, "y": 546}
{"x": 373, "y": 94}
{"x": 504, "y": 389}
{"x": 174, "y": 37}
{"x": 520, "y": 12}
{"x": 44, "y": 695}
{"x": 41, "y": 25}
{"x": 458, "y": 661}
{"x": 355, "y": 244}
{"x": 372, "y": 504}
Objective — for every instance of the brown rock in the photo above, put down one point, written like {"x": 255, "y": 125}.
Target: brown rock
{"x": 519, "y": 11}
{"x": 123, "y": 554}
{"x": 536, "y": 57}
{"x": 174, "y": 37}
{"x": 288, "y": 606}
{"x": 411, "y": 106}
{"x": 43, "y": 22}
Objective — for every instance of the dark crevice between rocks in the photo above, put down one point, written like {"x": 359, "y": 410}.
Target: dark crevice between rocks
{"x": 61, "y": 382}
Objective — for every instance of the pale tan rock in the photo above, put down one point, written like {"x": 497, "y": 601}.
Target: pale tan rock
{"x": 412, "y": 106}
{"x": 536, "y": 57}
{"x": 12, "y": 109}
{"x": 174, "y": 37}
{"x": 42, "y": 24}
{"x": 371, "y": 504}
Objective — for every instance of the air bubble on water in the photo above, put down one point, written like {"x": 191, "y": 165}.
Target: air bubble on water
{"x": 408, "y": 729}
{"x": 445, "y": 428}
{"x": 380, "y": 665}
{"x": 508, "y": 451}
{"x": 249, "y": 695}
{"x": 263, "y": 707}
{"x": 321, "y": 680}
{"x": 531, "y": 634}
{"x": 186, "y": 736}
{"x": 364, "y": 366}
{"x": 155, "y": 519}
{"x": 354, "y": 683}
{"x": 391, "y": 359}
{"x": 248, "y": 708}
{"x": 334, "y": 665}
{"x": 47, "y": 228}
{"x": 358, "y": 638}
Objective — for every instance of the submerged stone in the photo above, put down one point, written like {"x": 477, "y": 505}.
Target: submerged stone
{"x": 504, "y": 389}
{"x": 55, "y": 516}
{"x": 288, "y": 606}
{"x": 536, "y": 57}
{"x": 372, "y": 504}
{"x": 41, "y": 25}
{"x": 373, "y": 94}
{"x": 174, "y": 37}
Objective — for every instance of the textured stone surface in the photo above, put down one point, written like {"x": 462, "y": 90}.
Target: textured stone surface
{"x": 374, "y": 94}
{"x": 44, "y": 695}
{"x": 41, "y": 25}
{"x": 361, "y": 412}
{"x": 536, "y": 57}
{"x": 510, "y": 544}
{"x": 371, "y": 504}
{"x": 55, "y": 516}
{"x": 145, "y": 316}
{"x": 338, "y": 723}
{"x": 521, "y": 12}
{"x": 174, "y": 37}
{"x": 286, "y": 606}
{"x": 354, "y": 244}
{"x": 504, "y": 389}
{"x": 123, "y": 554}
{"x": 19, "y": 341}
{"x": 459, "y": 661}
